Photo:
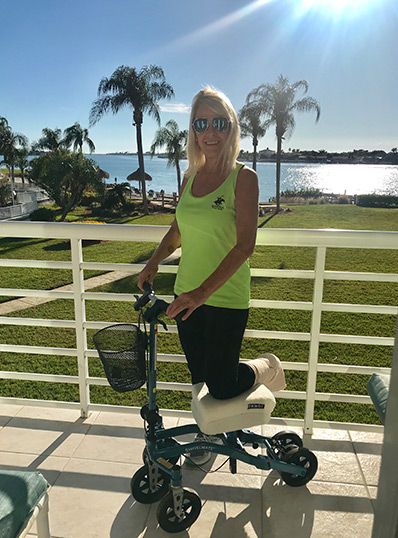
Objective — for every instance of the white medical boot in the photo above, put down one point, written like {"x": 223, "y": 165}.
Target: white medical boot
{"x": 268, "y": 371}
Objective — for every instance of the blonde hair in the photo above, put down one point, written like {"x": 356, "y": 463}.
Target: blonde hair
{"x": 220, "y": 104}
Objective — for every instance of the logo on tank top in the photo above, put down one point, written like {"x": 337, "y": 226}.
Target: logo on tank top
{"x": 218, "y": 203}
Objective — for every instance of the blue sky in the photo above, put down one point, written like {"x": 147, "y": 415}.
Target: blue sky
{"x": 54, "y": 55}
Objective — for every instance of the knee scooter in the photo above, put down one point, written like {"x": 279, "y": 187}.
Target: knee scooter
{"x": 129, "y": 359}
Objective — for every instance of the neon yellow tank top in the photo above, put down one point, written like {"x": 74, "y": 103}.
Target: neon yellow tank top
{"x": 208, "y": 232}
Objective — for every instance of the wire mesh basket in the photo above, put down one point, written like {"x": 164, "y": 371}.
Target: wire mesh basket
{"x": 121, "y": 349}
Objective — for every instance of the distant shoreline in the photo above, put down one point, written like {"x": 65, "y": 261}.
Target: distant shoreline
{"x": 333, "y": 158}
{"x": 311, "y": 159}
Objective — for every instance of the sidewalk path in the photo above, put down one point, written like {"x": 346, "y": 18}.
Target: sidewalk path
{"x": 90, "y": 283}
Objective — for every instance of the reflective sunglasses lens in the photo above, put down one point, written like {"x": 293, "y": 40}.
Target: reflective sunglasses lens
{"x": 200, "y": 125}
{"x": 220, "y": 124}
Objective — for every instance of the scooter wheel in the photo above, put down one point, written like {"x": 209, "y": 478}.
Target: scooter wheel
{"x": 301, "y": 457}
{"x": 140, "y": 488}
{"x": 286, "y": 438}
{"x": 191, "y": 507}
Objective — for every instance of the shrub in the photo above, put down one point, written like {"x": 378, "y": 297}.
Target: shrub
{"x": 5, "y": 192}
{"x": 89, "y": 199}
{"x": 377, "y": 200}
{"x": 343, "y": 200}
{"x": 43, "y": 214}
{"x": 302, "y": 193}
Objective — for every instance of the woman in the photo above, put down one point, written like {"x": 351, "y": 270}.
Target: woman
{"x": 216, "y": 226}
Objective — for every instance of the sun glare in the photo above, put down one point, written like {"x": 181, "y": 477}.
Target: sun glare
{"x": 338, "y": 6}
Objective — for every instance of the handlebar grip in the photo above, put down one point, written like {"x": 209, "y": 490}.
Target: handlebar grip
{"x": 147, "y": 286}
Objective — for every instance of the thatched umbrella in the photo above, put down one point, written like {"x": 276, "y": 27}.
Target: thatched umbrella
{"x": 104, "y": 174}
{"x": 136, "y": 176}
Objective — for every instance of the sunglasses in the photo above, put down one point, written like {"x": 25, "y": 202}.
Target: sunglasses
{"x": 201, "y": 125}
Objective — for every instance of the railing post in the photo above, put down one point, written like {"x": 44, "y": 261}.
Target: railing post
{"x": 314, "y": 339}
{"x": 80, "y": 318}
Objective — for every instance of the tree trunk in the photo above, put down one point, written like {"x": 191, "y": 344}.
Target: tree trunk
{"x": 178, "y": 178}
{"x": 255, "y": 154}
{"x": 66, "y": 210}
{"x": 278, "y": 172}
{"x": 138, "y": 123}
{"x": 12, "y": 183}
{"x": 71, "y": 203}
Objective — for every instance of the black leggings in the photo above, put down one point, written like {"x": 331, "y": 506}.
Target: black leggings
{"x": 211, "y": 339}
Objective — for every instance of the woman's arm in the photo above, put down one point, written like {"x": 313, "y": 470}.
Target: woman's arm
{"x": 246, "y": 205}
{"x": 170, "y": 242}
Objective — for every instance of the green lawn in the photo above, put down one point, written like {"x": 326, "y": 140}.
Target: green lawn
{"x": 334, "y": 216}
{"x": 59, "y": 249}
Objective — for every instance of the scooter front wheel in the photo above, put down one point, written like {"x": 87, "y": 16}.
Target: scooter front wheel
{"x": 191, "y": 507}
{"x": 140, "y": 486}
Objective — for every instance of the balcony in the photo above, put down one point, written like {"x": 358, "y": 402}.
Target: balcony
{"x": 89, "y": 451}
{"x": 89, "y": 463}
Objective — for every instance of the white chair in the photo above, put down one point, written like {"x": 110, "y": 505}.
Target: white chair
{"x": 23, "y": 500}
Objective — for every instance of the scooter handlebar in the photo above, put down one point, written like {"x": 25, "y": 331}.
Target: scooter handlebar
{"x": 161, "y": 306}
{"x": 147, "y": 287}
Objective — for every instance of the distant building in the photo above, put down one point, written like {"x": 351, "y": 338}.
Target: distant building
{"x": 266, "y": 154}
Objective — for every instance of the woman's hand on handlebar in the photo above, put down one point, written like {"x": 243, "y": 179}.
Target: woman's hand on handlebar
{"x": 187, "y": 302}
{"x": 147, "y": 275}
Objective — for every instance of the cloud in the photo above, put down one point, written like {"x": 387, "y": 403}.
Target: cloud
{"x": 176, "y": 108}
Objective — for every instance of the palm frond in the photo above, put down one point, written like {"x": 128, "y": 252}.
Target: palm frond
{"x": 308, "y": 104}
{"x": 101, "y": 106}
{"x": 300, "y": 84}
{"x": 153, "y": 110}
{"x": 251, "y": 120}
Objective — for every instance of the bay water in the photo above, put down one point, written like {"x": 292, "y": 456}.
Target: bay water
{"x": 347, "y": 179}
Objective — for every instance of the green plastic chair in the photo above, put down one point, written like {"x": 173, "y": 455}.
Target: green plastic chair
{"x": 378, "y": 387}
{"x": 23, "y": 500}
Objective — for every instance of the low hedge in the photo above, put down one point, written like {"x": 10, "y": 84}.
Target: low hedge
{"x": 43, "y": 214}
{"x": 377, "y": 200}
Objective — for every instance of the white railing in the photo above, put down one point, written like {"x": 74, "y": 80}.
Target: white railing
{"x": 321, "y": 240}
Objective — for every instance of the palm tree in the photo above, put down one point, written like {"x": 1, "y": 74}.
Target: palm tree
{"x": 51, "y": 140}
{"x": 22, "y": 161}
{"x": 3, "y": 122}
{"x": 252, "y": 124}
{"x": 10, "y": 144}
{"x": 116, "y": 195}
{"x": 139, "y": 90}
{"x": 175, "y": 142}
{"x": 77, "y": 136}
{"x": 279, "y": 105}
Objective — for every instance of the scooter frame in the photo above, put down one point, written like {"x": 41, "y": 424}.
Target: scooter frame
{"x": 285, "y": 452}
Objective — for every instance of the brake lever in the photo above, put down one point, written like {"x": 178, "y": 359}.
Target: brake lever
{"x": 152, "y": 313}
{"x": 162, "y": 323}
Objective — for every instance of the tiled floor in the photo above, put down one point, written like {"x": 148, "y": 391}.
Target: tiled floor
{"x": 89, "y": 463}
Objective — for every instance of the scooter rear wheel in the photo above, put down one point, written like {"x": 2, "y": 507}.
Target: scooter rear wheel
{"x": 287, "y": 438}
{"x": 301, "y": 457}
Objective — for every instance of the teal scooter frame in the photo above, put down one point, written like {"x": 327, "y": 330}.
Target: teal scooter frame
{"x": 160, "y": 478}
